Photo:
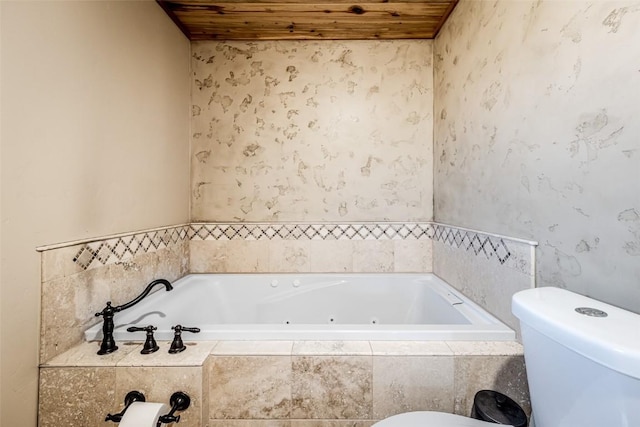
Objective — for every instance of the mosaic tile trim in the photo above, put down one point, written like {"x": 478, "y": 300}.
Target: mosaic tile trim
{"x": 363, "y": 231}
{"x": 122, "y": 248}
{"x": 468, "y": 240}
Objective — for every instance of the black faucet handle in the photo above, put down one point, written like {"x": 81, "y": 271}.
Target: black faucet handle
{"x": 107, "y": 311}
{"x": 108, "y": 344}
{"x": 178, "y": 345}
{"x": 150, "y": 345}
{"x": 141, "y": 328}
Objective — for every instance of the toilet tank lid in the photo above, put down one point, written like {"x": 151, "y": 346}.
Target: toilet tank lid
{"x": 612, "y": 341}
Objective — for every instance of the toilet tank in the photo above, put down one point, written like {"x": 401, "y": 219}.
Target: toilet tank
{"x": 582, "y": 358}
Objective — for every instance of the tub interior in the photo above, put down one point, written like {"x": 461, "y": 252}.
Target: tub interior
{"x": 309, "y": 306}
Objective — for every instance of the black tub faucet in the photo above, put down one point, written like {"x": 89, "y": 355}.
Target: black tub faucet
{"x": 108, "y": 344}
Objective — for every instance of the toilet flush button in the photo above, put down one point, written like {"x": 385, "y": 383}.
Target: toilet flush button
{"x": 590, "y": 311}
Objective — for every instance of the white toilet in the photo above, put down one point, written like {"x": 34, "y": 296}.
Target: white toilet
{"x": 583, "y": 364}
{"x": 582, "y": 358}
{"x": 431, "y": 419}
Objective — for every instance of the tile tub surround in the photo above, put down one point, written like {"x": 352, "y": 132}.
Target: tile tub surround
{"x": 487, "y": 271}
{"x": 72, "y": 291}
{"x": 371, "y": 256}
{"x": 93, "y": 386}
{"x": 115, "y": 249}
{"x": 285, "y": 383}
{"x": 349, "y": 247}
{"x": 357, "y": 381}
{"x": 311, "y": 247}
{"x": 84, "y": 275}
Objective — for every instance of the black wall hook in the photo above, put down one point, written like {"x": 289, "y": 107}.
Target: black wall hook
{"x": 132, "y": 396}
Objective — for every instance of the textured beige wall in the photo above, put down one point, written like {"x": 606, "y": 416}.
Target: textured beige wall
{"x": 95, "y": 118}
{"x": 536, "y": 135}
{"x": 312, "y": 131}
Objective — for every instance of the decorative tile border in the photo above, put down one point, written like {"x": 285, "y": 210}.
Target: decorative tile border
{"x": 302, "y": 231}
{"x": 479, "y": 243}
{"x": 124, "y": 246}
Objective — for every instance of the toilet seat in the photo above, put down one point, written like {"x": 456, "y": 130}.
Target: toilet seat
{"x": 431, "y": 419}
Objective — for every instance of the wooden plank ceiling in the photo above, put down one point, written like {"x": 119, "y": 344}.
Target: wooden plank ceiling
{"x": 308, "y": 20}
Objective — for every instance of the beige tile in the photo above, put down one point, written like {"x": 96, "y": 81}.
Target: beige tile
{"x": 410, "y": 348}
{"x": 522, "y": 257}
{"x": 289, "y": 256}
{"x": 77, "y": 397}
{"x": 485, "y": 281}
{"x": 206, "y": 389}
{"x": 332, "y": 387}
{"x": 331, "y": 348}
{"x": 86, "y": 293}
{"x": 58, "y": 263}
{"x": 403, "y": 384}
{"x": 56, "y": 294}
{"x": 373, "y": 256}
{"x": 229, "y": 256}
{"x": 68, "y": 308}
{"x": 255, "y": 348}
{"x": 331, "y": 423}
{"x": 486, "y": 348}
{"x": 194, "y": 355}
{"x": 412, "y": 256}
{"x": 207, "y": 256}
{"x": 85, "y": 354}
{"x": 505, "y": 374}
{"x": 56, "y": 341}
{"x": 128, "y": 280}
{"x": 248, "y": 387}
{"x": 249, "y": 423}
{"x": 334, "y": 256}
{"x": 92, "y": 294}
{"x": 158, "y": 384}
{"x": 173, "y": 262}
{"x": 247, "y": 256}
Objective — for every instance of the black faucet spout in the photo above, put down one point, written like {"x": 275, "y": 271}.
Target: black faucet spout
{"x": 108, "y": 344}
{"x": 144, "y": 293}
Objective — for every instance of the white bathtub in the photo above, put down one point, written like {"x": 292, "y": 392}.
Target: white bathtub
{"x": 310, "y": 307}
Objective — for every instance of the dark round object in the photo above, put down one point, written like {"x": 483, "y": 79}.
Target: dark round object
{"x": 180, "y": 401}
{"x": 494, "y": 407}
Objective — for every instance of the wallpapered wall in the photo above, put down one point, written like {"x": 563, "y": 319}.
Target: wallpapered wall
{"x": 312, "y": 131}
{"x": 537, "y": 135}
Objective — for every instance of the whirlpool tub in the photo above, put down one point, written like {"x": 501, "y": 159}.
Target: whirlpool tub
{"x": 311, "y": 307}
